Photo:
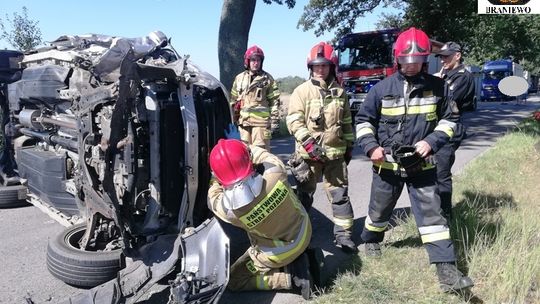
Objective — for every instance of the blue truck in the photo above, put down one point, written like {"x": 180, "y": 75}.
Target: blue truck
{"x": 493, "y": 73}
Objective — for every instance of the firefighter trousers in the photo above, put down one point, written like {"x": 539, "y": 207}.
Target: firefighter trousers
{"x": 445, "y": 158}
{"x": 258, "y": 136}
{"x": 254, "y": 271}
{"x": 336, "y": 186}
{"x": 386, "y": 188}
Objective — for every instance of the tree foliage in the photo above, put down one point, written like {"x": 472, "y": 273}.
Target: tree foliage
{"x": 20, "y": 31}
{"x": 289, "y": 83}
{"x": 236, "y": 17}
{"x": 339, "y": 15}
{"x": 388, "y": 21}
{"x": 484, "y": 37}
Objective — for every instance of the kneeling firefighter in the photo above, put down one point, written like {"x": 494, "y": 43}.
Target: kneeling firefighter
{"x": 250, "y": 191}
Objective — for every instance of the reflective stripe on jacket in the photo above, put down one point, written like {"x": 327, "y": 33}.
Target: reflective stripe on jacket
{"x": 259, "y": 96}
{"x": 276, "y": 222}
{"x": 321, "y": 111}
{"x": 390, "y": 117}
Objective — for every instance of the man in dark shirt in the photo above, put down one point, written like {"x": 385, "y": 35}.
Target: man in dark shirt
{"x": 460, "y": 96}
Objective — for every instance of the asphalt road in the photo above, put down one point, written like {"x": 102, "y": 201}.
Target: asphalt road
{"x": 25, "y": 231}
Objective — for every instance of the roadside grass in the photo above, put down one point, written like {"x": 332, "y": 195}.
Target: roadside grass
{"x": 496, "y": 232}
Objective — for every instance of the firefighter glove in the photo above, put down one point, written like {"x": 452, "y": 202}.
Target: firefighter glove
{"x": 314, "y": 151}
{"x": 232, "y": 132}
{"x": 236, "y": 110}
{"x": 299, "y": 168}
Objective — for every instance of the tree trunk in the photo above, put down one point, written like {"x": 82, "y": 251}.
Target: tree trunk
{"x": 236, "y": 17}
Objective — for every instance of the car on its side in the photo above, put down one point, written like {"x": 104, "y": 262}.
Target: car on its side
{"x": 112, "y": 135}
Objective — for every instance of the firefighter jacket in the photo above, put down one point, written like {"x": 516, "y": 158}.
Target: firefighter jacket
{"x": 461, "y": 91}
{"x": 321, "y": 111}
{"x": 259, "y": 98}
{"x": 460, "y": 87}
{"x": 277, "y": 224}
{"x": 399, "y": 112}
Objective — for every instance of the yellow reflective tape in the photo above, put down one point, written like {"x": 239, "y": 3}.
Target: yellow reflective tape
{"x": 316, "y": 103}
{"x": 422, "y": 109}
{"x": 431, "y": 116}
{"x": 251, "y": 267}
{"x": 266, "y": 206}
{"x": 262, "y": 282}
{"x": 363, "y": 131}
{"x": 345, "y": 223}
{"x": 395, "y": 166}
{"x": 333, "y": 151}
{"x": 375, "y": 229}
{"x": 294, "y": 116}
{"x": 279, "y": 258}
{"x": 258, "y": 114}
{"x": 446, "y": 129}
{"x": 387, "y": 165}
{"x": 393, "y": 111}
{"x": 433, "y": 237}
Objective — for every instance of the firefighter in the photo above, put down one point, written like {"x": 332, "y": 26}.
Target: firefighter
{"x": 320, "y": 120}
{"x": 250, "y": 190}
{"x": 403, "y": 120}
{"x": 255, "y": 101}
{"x": 460, "y": 96}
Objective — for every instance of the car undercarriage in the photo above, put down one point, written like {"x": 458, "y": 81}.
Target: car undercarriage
{"x": 111, "y": 137}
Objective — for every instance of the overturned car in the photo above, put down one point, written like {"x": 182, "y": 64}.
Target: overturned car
{"x": 111, "y": 137}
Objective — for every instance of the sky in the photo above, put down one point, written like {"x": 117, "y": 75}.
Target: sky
{"x": 192, "y": 25}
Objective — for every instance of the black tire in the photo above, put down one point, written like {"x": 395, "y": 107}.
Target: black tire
{"x": 76, "y": 267}
{"x": 12, "y": 196}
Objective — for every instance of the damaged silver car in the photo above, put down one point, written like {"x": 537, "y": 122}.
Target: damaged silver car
{"x": 111, "y": 137}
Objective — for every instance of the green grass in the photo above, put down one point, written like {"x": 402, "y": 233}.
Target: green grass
{"x": 496, "y": 232}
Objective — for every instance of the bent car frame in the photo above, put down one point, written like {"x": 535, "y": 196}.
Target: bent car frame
{"x": 111, "y": 136}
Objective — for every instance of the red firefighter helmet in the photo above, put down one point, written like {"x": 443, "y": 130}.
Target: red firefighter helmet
{"x": 412, "y": 46}
{"x": 230, "y": 161}
{"x": 251, "y": 52}
{"x": 321, "y": 53}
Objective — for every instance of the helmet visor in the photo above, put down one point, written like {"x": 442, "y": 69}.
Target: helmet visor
{"x": 242, "y": 193}
{"x": 320, "y": 60}
{"x": 412, "y": 59}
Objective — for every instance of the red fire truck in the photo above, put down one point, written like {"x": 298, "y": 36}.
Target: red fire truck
{"x": 364, "y": 59}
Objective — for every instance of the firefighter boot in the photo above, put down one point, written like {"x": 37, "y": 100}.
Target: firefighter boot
{"x": 372, "y": 249}
{"x": 346, "y": 244}
{"x": 316, "y": 264}
{"x": 451, "y": 279}
{"x": 301, "y": 276}
{"x": 10, "y": 178}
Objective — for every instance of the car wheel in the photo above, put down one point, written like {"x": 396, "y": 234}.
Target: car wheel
{"x": 68, "y": 263}
{"x": 12, "y": 196}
